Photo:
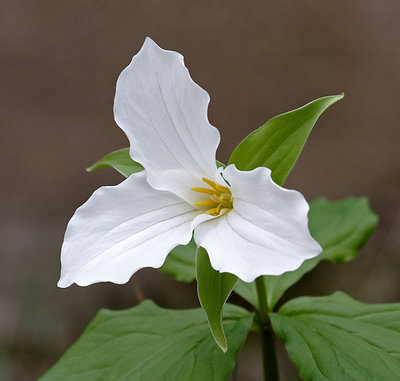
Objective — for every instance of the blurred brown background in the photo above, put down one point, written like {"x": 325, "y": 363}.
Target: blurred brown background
{"x": 59, "y": 61}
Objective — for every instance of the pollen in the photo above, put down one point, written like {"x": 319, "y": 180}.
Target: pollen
{"x": 220, "y": 198}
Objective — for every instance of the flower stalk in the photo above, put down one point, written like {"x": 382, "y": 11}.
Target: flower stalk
{"x": 267, "y": 336}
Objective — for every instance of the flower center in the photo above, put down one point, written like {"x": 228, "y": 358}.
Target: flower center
{"x": 220, "y": 198}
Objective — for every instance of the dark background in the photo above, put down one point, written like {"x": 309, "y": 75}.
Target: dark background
{"x": 59, "y": 61}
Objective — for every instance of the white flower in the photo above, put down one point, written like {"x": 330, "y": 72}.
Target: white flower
{"x": 249, "y": 225}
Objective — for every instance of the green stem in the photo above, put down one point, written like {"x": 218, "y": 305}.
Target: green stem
{"x": 267, "y": 335}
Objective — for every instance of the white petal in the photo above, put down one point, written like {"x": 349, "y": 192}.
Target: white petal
{"x": 164, "y": 114}
{"x": 266, "y": 232}
{"x": 122, "y": 229}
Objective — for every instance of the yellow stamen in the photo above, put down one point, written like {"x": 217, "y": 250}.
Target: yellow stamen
{"x": 223, "y": 189}
{"x": 211, "y": 183}
{"x": 215, "y": 198}
{"x": 220, "y": 198}
{"x": 226, "y": 204}
{"x": 212, "y": 211}
{"x": 205, "y": 190}
{"x": 206, "y": 203}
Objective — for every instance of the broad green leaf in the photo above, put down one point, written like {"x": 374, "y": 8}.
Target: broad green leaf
{"x": 152, "y": 343}
{"x": 119, "y": 160}
{"x": 180, "y": 263}
{"x": 278, "y": 143}
{"x": 213, "y": 289}
{"x": 338, "y": 338}
{"x": 340, "y": 227}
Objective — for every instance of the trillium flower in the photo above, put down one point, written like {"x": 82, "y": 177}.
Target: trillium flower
{"x": 249, "y": 225}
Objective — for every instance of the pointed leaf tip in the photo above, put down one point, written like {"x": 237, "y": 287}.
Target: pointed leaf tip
{"x": 213, "y": 290}
{"x": 120, "y": 160}
{"x": 278, "y": 143}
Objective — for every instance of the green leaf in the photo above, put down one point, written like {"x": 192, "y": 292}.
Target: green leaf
{"x": 123, "y": 163}
{"x": 151, "y": 343}
{"x": 119, "y": 160}
{"x": 340, "y": 227}
{"x": 180, "y": 263}
{"x": 278, "y": 143}
{"x": 213, "y": 289}
{"x": 338, "y": 338}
